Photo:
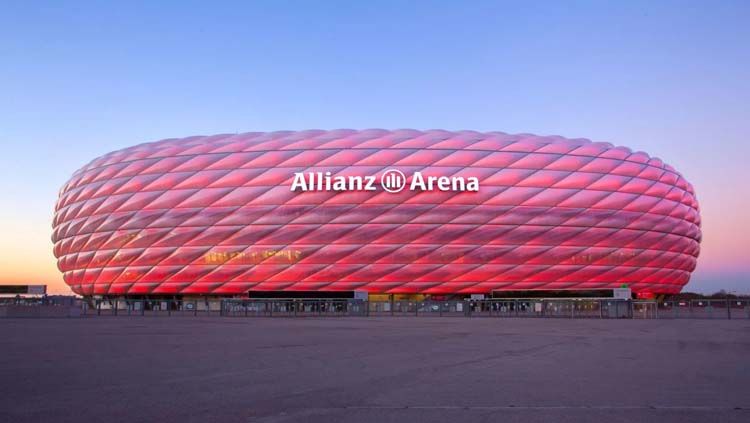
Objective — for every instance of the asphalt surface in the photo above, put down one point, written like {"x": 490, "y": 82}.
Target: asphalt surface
{"x": 211, "y": 369}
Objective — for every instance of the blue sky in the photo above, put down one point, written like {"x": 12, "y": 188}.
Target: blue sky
{"x": 79, "y": 79}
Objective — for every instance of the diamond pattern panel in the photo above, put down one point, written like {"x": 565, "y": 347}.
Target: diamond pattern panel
{"x": 215, "y": 215}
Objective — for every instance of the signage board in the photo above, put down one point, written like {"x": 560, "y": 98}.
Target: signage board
{"x": 621, "y": 293}
{"x": 391, "y": 180}
{"x": 37, "y": 289}
{"x": 360, "y": 295}
{"x": 23, "y": 289}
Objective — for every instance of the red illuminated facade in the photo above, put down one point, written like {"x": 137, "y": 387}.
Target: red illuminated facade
{"x": 217, "y": 215}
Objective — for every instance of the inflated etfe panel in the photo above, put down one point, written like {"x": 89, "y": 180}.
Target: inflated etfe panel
{"x": 400, "y": 211}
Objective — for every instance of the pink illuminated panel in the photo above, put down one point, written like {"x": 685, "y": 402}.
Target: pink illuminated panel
{"x": 216, "y": 215}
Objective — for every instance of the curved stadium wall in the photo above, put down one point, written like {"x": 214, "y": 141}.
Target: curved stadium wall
{"x": 218, "y": 215}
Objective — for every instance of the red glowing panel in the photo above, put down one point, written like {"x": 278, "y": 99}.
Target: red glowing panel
{"x": 216, "y": 215}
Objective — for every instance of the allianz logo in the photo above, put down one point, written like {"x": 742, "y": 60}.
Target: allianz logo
{"x": 391, "y": 180}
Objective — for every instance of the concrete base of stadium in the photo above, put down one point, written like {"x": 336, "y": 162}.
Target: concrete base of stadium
{"x": 374, "y": 370}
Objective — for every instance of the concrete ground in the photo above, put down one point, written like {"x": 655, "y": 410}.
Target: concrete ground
{"x": 211, "y": 369}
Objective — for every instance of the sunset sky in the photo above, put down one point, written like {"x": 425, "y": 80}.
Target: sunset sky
{"x": 671, "y": 78}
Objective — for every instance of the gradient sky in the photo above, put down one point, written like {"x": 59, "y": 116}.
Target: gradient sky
{"x": 79, "y": 79}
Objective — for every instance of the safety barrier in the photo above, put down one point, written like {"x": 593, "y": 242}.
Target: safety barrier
{"x": 126, "y": 307}
{"x": 606, "y": 308}
{"x": 40, "y": 310}
{"x": 293, "y": 308}
{"x": 702, "y": 309}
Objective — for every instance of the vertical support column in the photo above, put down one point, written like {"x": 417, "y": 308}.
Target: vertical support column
{"x": 729, "y": 310}
{"x": 572, "y": 309}
{"x": 630, "y": 308}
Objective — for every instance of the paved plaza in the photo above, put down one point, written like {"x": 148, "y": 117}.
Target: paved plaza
{"x": 212, "y": 369}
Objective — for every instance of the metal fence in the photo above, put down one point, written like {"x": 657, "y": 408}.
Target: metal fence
{"x": 40, "y": 310}
{"x": 697, "y": 309}
{"x": 529, "y": 308}
{"x": 293, "y": 308}
{"x": 120, "y": 307}
{"x": 605, "y": 308}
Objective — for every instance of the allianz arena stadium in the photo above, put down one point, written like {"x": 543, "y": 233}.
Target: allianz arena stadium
{"x": 384, "y": 212}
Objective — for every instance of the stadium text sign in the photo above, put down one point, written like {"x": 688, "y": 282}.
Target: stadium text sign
{"x": 391, "y": 180}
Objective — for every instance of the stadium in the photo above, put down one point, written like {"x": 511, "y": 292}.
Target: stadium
{"x": 403, "y": 212}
